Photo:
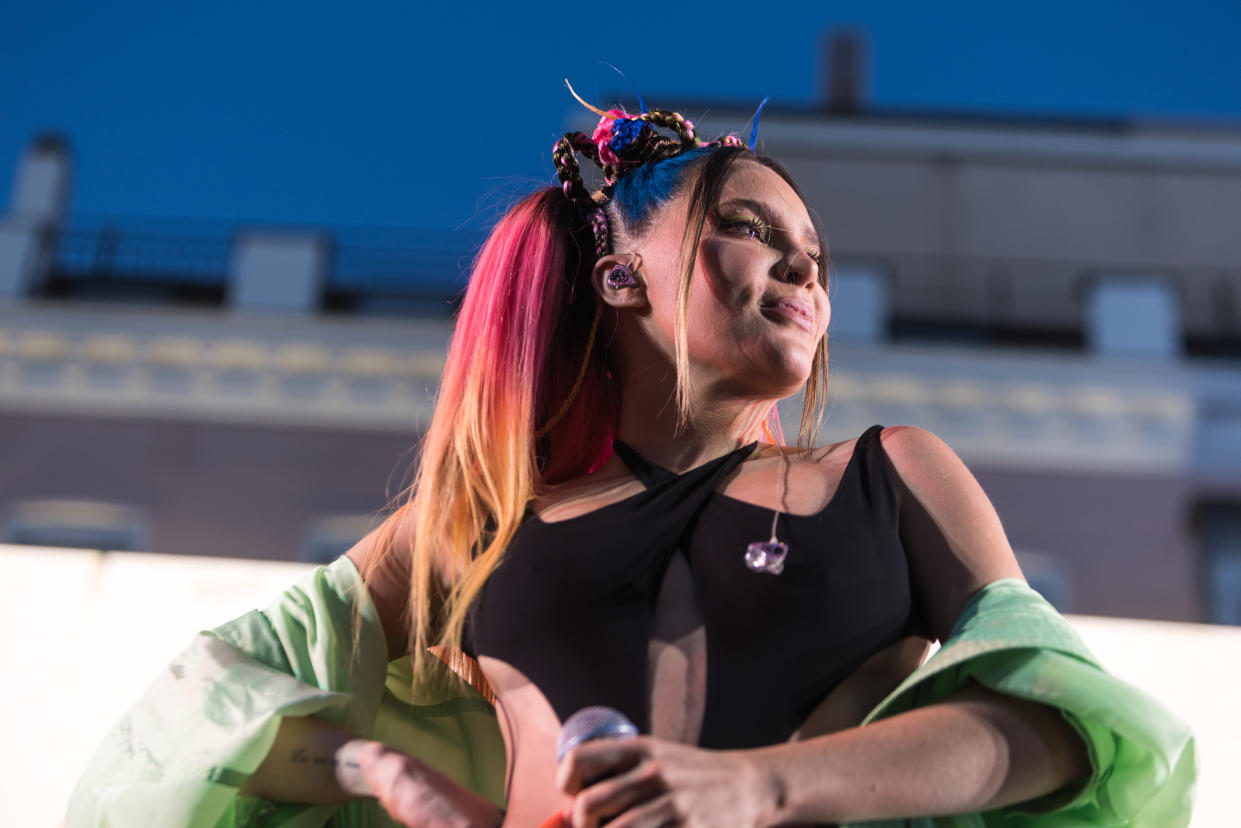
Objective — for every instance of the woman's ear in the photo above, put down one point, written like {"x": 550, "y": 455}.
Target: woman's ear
{"x": 618, "y": 280}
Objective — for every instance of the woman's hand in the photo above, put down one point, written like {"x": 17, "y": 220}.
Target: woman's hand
{"x": 413, "y": 793}
{"x": 651, "y": 782}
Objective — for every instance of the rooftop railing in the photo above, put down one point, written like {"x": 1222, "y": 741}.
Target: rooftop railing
{"x": 185, "y": 262}
{"x": 1021, "y": 300}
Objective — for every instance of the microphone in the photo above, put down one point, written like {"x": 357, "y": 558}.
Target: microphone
{"x": 593, "y": 723}
{"x": 586, "y": 725}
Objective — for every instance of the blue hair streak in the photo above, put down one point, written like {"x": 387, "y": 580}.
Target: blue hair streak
{"x": 641, "y": 190}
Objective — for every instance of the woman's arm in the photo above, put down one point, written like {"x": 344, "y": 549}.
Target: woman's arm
{"x": 314, "y": 762}
{"x": 952, "y": 536}
{"x": 975, "y": 752}
{"x": 307, "y": 761}
{"x": 310, "y": 761}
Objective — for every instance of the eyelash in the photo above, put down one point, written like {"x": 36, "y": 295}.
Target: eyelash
{"x": 757, "y": 229}
{"x": 760, "y": 230}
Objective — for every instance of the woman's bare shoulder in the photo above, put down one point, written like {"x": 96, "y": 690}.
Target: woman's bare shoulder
{"x": 829, "y": 458}
{"x": 383, "y": 558}
{"x": 914, "y": 444}
{"x": 394, "y": 533}
{"x": 952, "y": 535}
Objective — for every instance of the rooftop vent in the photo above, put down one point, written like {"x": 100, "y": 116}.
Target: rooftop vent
{"x": 845, "y": 71}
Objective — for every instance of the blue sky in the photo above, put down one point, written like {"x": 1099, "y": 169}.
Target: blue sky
{"x": 433, "y": 114}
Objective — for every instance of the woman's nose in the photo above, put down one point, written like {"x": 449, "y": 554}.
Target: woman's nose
{"x": 800, "y": 268}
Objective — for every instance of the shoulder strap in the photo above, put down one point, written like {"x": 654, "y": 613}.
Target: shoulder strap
{"x": 872, "y": 459}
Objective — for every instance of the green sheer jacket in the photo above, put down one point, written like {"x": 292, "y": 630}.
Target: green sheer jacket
{"x": 180, "y": 754}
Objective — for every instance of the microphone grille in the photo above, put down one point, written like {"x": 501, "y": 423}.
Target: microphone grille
{"x": 593, "y": 723}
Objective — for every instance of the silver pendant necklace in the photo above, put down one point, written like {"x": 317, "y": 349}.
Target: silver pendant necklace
{"x": 768, "y": 556}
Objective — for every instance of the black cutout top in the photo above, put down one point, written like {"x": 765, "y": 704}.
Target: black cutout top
{"x": 572, "y": 604}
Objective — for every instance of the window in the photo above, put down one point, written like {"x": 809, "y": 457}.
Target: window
{"x": 1219, "y": 534}
{"x": 327, "y": 538}
{"x": 1049, "y": 578}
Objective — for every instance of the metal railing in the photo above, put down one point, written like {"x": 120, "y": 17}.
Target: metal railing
{"x": 1031, "y": 299}
{"x": 368, "y": 270}
{"x": 161, "y": 261}
{"x": 1042, "y": 299}
{"x": 410, "y": 271}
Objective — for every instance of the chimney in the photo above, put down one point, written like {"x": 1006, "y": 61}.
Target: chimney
{"x": 845, "y": 70}
{"x": 38, "y": 206}
{"x": 41, "y": 187}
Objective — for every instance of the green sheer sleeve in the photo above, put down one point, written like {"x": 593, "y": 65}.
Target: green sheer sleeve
{"x": 179, "y": 755}
{"x": 1012, "y": 641}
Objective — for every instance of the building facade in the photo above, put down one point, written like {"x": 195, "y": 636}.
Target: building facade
{"x": 1058, "y": 301}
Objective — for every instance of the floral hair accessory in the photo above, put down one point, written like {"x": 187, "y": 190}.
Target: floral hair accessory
{"x": 621, "y": 142}
{"x": 604, "y": 135}
{"x": 624, "y": 133}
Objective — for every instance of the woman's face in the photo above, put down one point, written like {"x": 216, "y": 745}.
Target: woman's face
{"x": 758, "y": 304}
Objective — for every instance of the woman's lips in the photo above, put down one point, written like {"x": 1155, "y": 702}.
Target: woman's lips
{"x": 798, "y": 311}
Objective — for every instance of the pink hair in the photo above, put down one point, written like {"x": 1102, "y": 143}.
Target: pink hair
{"x": 515, "y": 354}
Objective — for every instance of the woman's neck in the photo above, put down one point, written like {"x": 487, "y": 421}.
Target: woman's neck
{"x": 717, "y": 425}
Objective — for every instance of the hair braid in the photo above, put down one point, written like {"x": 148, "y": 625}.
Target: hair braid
{"x": 564, "y": 157}
{"x": 621, "y": 143}
{"x": 675, "y": 121}
{"x": 602, "y": 232}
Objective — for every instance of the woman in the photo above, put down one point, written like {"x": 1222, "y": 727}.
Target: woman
{"x": 747, "y": 604}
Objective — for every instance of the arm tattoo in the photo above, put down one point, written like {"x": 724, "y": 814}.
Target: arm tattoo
{"x": 302, "y": 756}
